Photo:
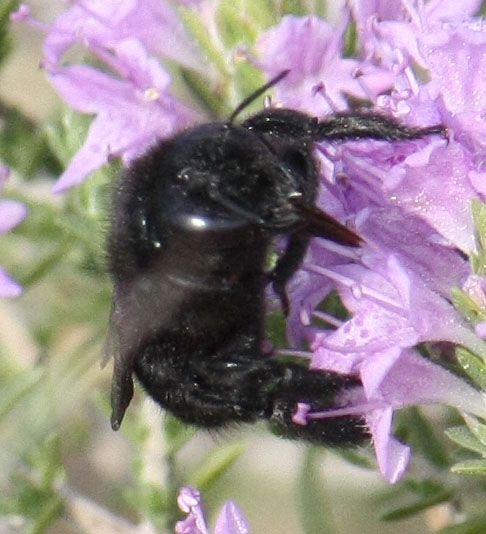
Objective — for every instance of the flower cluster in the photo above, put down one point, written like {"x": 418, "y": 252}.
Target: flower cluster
{"x": 410, "y": 202}
{"x": 411, "y": 205}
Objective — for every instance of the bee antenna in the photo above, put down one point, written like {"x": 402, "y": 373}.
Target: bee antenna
{"x": 249, "y": 99}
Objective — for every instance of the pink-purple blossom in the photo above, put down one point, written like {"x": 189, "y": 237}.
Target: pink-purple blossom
{"x": 312, "y": 49}
{"x": 12, "y": 213}
{"x": 230, "y": 519}
{"x": 409, "y": 201}
{"x": 133, "y": 105}
{"x": 412, "y": 206}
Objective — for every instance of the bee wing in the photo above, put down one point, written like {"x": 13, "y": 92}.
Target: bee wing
{"x": 122, "y": 382}
{"x": 142, "y": 307}
{"x": 112, "y": 344}
{"x": 320, "y": 224}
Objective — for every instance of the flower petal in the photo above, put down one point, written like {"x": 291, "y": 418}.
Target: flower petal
{"x": 392, "y": 456}
{"x": 231, "y": 520}
{"x": 12, "y": 213}
{"x": 9, "y": 288}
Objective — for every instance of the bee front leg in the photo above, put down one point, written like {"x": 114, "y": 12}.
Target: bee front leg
{"x": 288, "y": 263}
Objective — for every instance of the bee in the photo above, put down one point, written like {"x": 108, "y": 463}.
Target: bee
{"x": 193, "y": 222}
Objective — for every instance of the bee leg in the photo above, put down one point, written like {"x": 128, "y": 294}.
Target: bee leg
{"x": 287, "y": 265}
{"x": 207, "y": 391}
{"x": 321, "y": 391}
{"x": 223, "y": 389}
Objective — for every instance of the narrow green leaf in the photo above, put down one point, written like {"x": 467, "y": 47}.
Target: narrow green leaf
{"x": 5, "y": 40}
{"x": 16, "y": 389}
{"x": 464, "y": 437}
{"x": 199, "y": 31}
{"x": 51, "y": 510}
{"x": 467, "y": 306}
{"x": 403, "y": 512}
{"x": 262, "y": 13}
{"x": 426, "y": 439}
{"x": 215, "y": 464}
{"x": 477, "y": 428}
{"x": 473, "y": 366}
{"x": 23, "y": 144}
{"x": 470, "y": 467}
{"x": 478, "y": 261}
{"x": 235, "y": 27}
{"x": 293, "y": 7}
{"x": 214, "y": 100}
{"x": 359, "y": 459}
{"x": 49, "y": 463}
{"x": 67, "y": 135}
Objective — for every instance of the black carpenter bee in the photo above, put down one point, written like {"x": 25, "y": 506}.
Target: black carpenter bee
{"x": 192, "y": 225}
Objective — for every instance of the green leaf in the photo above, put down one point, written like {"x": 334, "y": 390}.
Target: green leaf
{"x": 235, "y": 27}
{"x": 48, "y": 462}
{"x": 426, "y": 440}
{"x": 293, "y": 7}
{"x": 241, "y": 21}
{"x": 262, "y": 13}
{"x": 197, "y": 28}
{"x": 17, "y": 387}
{"x": 6, "y": 8}
{"x": 276, "y": 329}
{"x": 356, "y": 458}
{"x": 215, "y": 464}
{"x": 477, "y": 428}
{"x": 66, "y": 136}
{"x": 473, "y": 366}
{"x": 470, "y": 467}
{"x": 478, "y": 260}
{"x": 464, "y": 437}
{"x": 212, "y": 99}
{"x": 438, "y": 497}
{"x": 421, "y": 494}
{"x": 468, "y": 307}
{"x": 23, "y": 144}
{"x": 34, "y": 495}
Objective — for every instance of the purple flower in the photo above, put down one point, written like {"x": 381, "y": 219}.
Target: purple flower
{"x": 102, "y": 24}
{"x": 410, "y": 202}
{"x": 312, "y": 49}
{"x": 130, "y": 114}
{"x": 133, "y": 106}
{"x": 230, "y": 519}
{"x": 12, "y": 213}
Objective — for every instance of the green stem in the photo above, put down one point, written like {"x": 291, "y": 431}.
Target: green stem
{"x": 315, "y": 504}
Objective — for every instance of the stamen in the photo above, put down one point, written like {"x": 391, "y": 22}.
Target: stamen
{"x": 23, "y": 14}
{"x": 413, "y": 13}
{"x": 334, "y": 321}
{"x": 320, "y": 89}
{"x": 366, "y": 291}
{"x": 360, "y": 409}
{"x": 403, "y": 66}
{"x": 358, "y": 76}
{"x": 297, "y": 353}
{"x": 342, "y": 250}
